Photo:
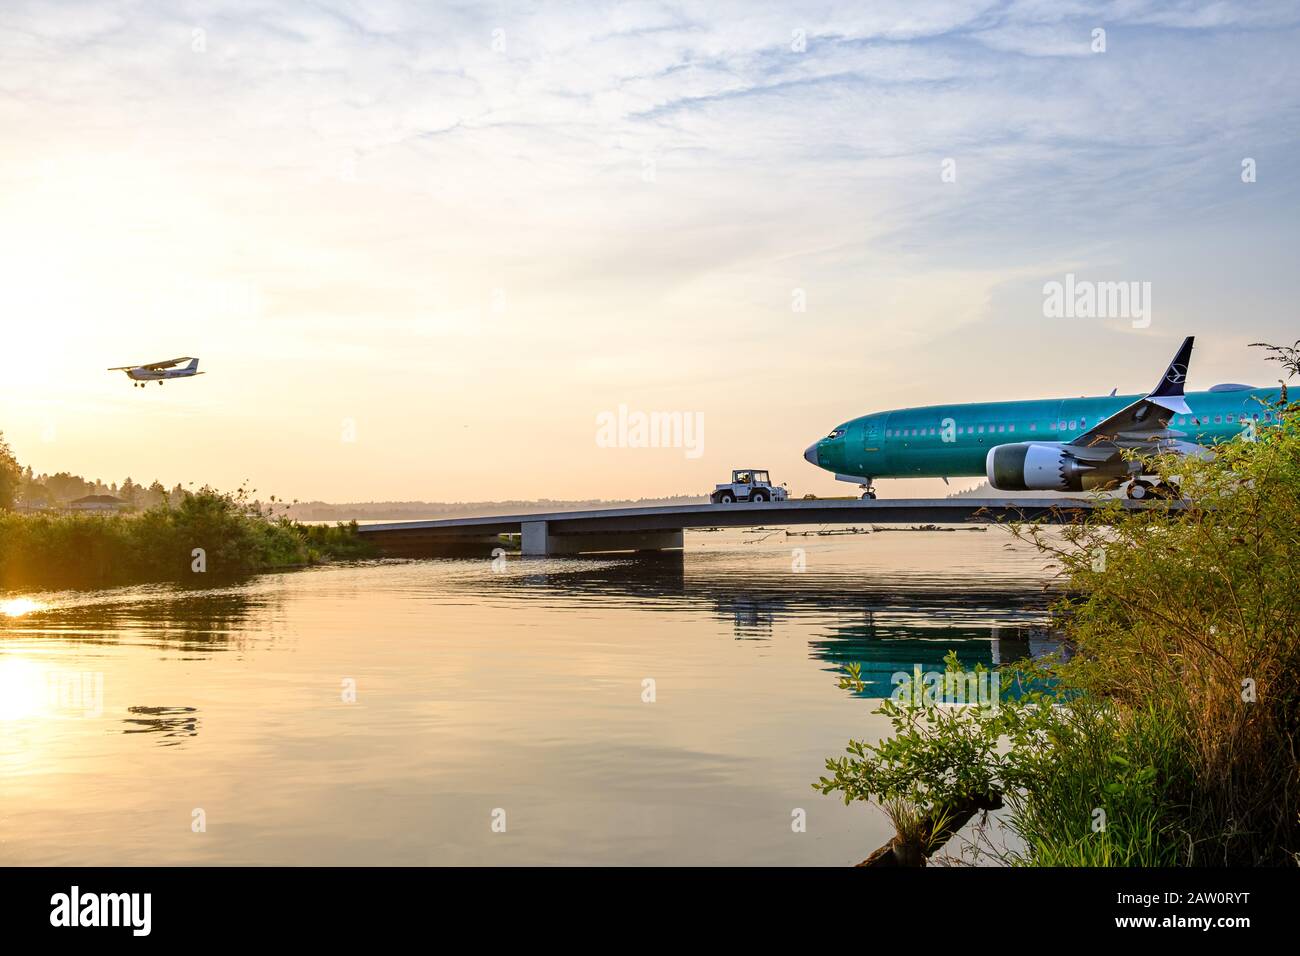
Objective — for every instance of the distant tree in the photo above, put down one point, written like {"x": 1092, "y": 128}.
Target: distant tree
{"x": 130, "y": 492}
{"x": 10, "y": 476}
{"x": 66, "y": 487}
{"x": 156, "y": 495}
{"x": 32, "y": 491}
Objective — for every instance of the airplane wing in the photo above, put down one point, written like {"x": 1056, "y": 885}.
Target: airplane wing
{"x": 122, "y": 368}
{"x": 1145, "y": 423}
{"x": 170, "y": 363}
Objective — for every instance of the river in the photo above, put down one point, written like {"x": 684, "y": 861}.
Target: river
{"x": 620, "y": 710}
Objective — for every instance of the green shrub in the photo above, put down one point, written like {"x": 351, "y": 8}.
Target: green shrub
{"x": 88, "y": 550}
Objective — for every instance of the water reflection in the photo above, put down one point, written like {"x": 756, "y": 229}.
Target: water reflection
{"x": 17, "y": 607}
{"x": 479, "y": 687}
{"x": 169, "y": 723}
{"x": 208, "y": 621}
{"x": 885, "y": 649}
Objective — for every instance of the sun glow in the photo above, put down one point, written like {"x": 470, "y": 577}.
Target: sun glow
{"x": 23, "y": 688}
{"x": 17, "y": 607}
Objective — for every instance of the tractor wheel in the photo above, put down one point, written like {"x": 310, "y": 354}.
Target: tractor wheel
{"x": 758, "y": 496}
{"x": 726, "y": 498}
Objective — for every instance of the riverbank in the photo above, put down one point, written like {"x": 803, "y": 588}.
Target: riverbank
{"x": 205, "y": 533}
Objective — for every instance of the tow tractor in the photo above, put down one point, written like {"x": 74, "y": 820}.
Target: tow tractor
{"x": 748, "y": 484}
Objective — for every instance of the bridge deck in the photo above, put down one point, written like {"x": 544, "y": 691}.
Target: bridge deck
{"x": 615, "y": 529}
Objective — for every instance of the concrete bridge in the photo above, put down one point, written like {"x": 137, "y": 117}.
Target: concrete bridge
{"x": 661, "y": 527}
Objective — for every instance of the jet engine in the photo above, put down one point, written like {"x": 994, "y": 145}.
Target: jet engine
{"x": 1035, "y": 466}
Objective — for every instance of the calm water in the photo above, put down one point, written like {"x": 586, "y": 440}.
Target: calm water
{"x": 478, "y": 690}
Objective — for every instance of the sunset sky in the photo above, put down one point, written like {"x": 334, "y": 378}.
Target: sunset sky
{"x": 458, "y": 233}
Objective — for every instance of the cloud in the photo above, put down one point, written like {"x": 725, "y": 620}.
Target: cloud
{"x": 534, "y": 187}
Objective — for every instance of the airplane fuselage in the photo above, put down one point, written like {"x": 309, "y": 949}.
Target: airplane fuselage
{"x": 947, "y": 441}
{"x": 154, "y": 375}
{"x": 141, "y": 375}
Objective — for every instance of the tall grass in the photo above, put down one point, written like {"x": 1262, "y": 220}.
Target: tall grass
{"x": 235, "y": 537}
{"x": 1108, "y": 791}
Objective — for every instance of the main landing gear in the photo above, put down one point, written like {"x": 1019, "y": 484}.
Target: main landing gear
{"x": 868, "y": 492}
{"x": 1140, "y": 490}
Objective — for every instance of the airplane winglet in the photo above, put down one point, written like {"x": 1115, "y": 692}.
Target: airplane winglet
{"x": 1168, "y": 392}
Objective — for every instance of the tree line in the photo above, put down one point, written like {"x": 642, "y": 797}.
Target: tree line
{"x": 20, "y": 487}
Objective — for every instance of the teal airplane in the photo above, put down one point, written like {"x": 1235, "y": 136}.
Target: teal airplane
{"x": 1057, "y": 444}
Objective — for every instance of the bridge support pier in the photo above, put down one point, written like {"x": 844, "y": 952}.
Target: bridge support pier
{"x": 538, "y": 540}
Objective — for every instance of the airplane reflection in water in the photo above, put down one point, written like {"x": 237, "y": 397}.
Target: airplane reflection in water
{"x": 886, "y": 626}
{"x": 883, "y": 654}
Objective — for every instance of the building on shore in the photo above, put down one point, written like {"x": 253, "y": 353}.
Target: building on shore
{"x": 102, "y": 504}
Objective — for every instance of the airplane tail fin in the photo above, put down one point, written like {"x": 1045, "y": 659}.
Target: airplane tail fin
{"x": 193, "y": 366}
{"x": 1168, "y": 392}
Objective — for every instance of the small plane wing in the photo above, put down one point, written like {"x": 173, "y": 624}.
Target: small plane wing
{"x": 170, "y": 363}
{"x": 152, "y": 366}
{"x": 1146, "y": 421}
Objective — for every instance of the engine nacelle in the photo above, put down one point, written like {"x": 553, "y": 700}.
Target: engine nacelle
{"x": 1035, "y": 466}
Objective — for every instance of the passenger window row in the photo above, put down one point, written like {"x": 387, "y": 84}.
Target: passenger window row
{"x": 1072, "y": 425}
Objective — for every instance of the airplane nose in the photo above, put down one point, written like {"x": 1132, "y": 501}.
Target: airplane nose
{"x": 810, "y": 454}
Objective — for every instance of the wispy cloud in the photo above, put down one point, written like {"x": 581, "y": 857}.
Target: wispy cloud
{"x": 407, "y": 189}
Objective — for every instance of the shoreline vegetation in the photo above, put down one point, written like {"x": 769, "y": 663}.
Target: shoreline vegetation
{"x": 205, "y": 533}
{"x": 1169, "y": 736}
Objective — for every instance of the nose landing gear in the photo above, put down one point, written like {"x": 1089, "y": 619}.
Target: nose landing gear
{"x": 868, "y": 492}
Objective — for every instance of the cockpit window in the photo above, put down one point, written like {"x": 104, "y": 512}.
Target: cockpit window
{"x": 835, "y": 434}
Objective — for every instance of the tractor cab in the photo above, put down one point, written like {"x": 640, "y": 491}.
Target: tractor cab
{"x": 748, "y": 484}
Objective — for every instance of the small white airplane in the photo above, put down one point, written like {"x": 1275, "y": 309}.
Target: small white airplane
{"x": 159, "y": 372}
